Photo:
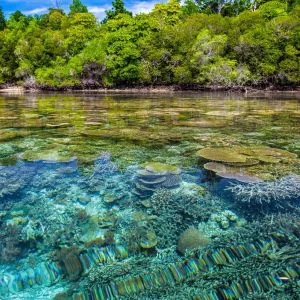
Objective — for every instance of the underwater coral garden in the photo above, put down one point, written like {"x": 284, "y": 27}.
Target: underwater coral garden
{"x": 140, "y": 203}
{"x": 81, "y": 221}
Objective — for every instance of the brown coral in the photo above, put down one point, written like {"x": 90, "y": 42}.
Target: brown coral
{"x": 246, "y": 164}
{"x": 69, "y": 257}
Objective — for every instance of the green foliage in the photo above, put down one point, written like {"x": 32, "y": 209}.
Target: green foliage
{"x": 77, "y": 7}
{"x": 225, "y": 72}
{"x": 168, "y": 13}
{"x": 273, "y": 9}
{"x": 224, "y": 7}
{"x": 2, "y": 20}
{"x": 118, "y": 7}
{"x": 190, "y": 7}
{"x": 227, "y": 43}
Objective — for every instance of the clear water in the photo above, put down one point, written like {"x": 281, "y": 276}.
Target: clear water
{"x": 184, "y": 196}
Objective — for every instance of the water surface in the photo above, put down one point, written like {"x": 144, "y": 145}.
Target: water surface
{"x": 182, "y": 196}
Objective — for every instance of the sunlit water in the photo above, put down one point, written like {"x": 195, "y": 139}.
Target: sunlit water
{"x": 188, "y": 196}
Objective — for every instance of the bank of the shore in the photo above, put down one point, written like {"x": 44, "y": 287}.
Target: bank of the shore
{"x": 152, "y": 89}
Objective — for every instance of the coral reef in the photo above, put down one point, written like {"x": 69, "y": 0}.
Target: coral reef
{"x": 106, "y": 199}
{"x": 71, "y": 262}
{"x": 173, "y": 211}
{"x": 285, "y": 188}
{"x": 10, "y": 247}
{"x": 191, "y": 239}
{"x": 222, "y": 155}
{"x": 14, "y": 178}
{"x": 69, "y": 258}
{"x": 221, "y": 224}
{"x": 156, "y": 175}
{"x": 230, "y": 172}
{"x": 224, "y": 218}
{"x": 177, "y": 274}
{"x": 245, "y": 164}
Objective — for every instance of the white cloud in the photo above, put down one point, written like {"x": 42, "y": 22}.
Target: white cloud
{"x": 98, "y": 11}
{"x": 136, "y": 7}
{"x": 143, "y": 6}
{"x": 36, "y": 11}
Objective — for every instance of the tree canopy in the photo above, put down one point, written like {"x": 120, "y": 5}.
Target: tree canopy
{"x": 212, "y": 42}
{"x": 77, "y": 7}
{"x": 2, "y": 20}
{"x": 118, "y": 7}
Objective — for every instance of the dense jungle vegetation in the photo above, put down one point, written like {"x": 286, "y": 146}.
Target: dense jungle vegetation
{"x": 204, "y": 43}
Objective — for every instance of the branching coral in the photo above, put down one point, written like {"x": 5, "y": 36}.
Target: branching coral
{"x": 176, "y": 210}
{"x": 285, "y": 188}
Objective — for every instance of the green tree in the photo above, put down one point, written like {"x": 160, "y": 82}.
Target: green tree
{"x": 190, "y": 7}
{"x": 211, "y": 42}
{"x": 2, "y": 20}
{"x": 77, "y": 7}
{"x": 224, "y": 7}
{"x": 118, "y": 7}
{"x": 17, "y": 15}
{"x": 123, "y": 54}
{"x": 290, "y": 3}
{"x": 80, "y": 29}
{"x": 235, "y": 7}
{"x": 273, "y": 9}
{"x": 211, "y": 6}
{"x": 167, "y": 13}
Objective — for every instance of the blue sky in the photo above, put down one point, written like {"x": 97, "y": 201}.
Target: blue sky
{"x": 97, "y": 7}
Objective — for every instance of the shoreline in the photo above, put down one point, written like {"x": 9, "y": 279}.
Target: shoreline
{"x": 246, "y": 90}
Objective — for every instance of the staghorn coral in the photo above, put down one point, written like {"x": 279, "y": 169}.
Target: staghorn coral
{"x": 285, "y": 188}
{"x": 191, "y": 239}
{"x": 170, "y": 221}
{"x": 100, "y": 275}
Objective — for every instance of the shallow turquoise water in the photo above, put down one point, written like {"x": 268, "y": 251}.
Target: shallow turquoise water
{"x": 187, "y": 196}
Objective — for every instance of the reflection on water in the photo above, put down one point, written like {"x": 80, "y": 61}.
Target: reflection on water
{"x": 149, "y": 197}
